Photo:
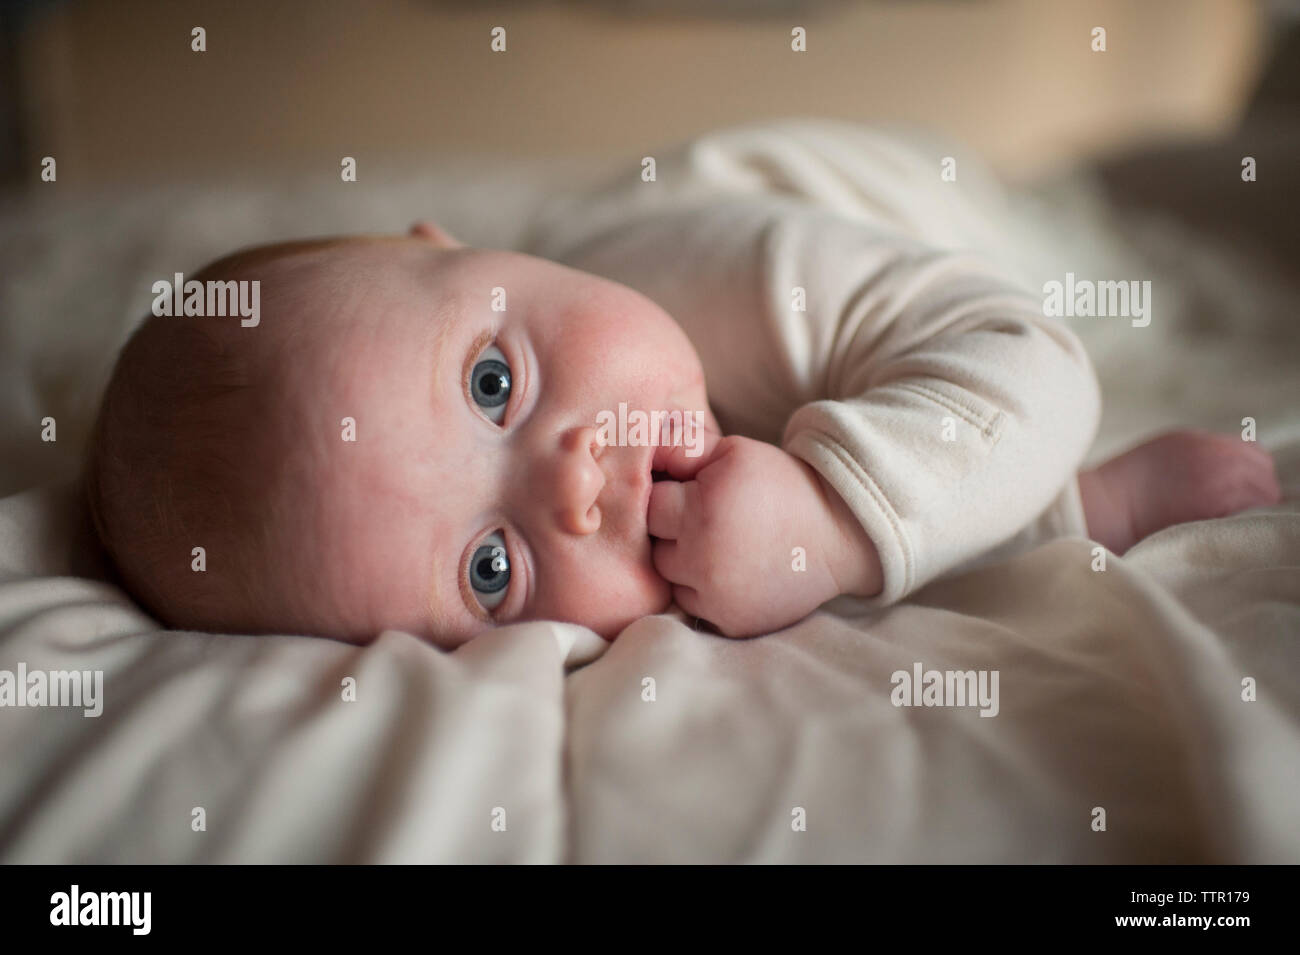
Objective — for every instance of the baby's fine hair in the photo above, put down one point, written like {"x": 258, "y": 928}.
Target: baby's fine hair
{"x": 181, "y": 457}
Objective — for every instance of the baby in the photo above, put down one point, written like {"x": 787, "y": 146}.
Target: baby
{"x": 410, "y": 436}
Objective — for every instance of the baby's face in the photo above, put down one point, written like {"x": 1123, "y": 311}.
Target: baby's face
{"x": 475, "y": 492}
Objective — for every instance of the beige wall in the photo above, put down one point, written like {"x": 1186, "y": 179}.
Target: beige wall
{"x": 119, "y": 96}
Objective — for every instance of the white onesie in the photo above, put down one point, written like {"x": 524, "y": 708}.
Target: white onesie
{"x": 853, "y": 307}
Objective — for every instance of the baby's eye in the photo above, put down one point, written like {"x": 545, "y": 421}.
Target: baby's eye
{"x": 489, "y": 572}
{"x": 489, "y": 383}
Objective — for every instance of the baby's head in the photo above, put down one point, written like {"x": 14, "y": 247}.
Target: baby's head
{"x": 389, "y": 447}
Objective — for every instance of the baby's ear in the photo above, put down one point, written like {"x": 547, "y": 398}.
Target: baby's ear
{"x": 436, "y": 234}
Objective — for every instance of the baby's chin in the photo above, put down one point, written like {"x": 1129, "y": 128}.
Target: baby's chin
{"x": 656, "y": 596}
{"x": 610, "y": 633}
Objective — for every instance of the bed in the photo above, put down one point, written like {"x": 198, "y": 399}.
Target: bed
{"x": 1149, "y": 712}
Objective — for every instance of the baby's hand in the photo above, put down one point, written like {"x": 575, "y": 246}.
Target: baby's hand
{"x": 753, "y": 539}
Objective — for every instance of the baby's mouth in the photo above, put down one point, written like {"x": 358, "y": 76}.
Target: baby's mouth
{"x": 655, "y": 477}
{"x": 654, "y": 465}
{"x": 659, "y": 455}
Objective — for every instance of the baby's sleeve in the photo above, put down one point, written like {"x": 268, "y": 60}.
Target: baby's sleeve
{"x": 953, "y": 415}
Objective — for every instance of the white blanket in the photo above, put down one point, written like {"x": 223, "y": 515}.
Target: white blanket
{"x": 1119, "y": 690}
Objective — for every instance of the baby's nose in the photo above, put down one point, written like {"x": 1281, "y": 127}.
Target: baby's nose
{"x": 579, "y": 481}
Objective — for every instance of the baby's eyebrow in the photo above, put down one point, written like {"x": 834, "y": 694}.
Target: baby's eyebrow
{"x": 438, "y": 348}
{"x": 481, "y": 341}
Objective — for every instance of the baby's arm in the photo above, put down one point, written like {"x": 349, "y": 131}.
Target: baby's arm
{"x": 942, "y": 408}
{"x": 753, "y": 539}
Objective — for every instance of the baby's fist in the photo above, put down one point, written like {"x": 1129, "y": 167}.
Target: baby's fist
{"x": 755, "y": 540}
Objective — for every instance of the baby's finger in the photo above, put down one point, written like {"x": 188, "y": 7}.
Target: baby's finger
{"x": 667, "y": 504}
{"x": 682, "y": 452}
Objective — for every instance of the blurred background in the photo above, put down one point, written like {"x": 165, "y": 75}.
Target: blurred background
{"x": 114, "y": 91}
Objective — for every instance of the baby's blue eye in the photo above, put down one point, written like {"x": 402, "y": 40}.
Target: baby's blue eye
{"x": 489, "y": 571}
{"x": 489, "y": 383}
